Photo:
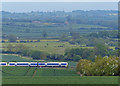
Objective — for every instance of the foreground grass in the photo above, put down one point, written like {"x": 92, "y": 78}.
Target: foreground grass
{"x": 36, "y": 71}
{"x": 33, "y": 75}
{"x": 60, "y": 80}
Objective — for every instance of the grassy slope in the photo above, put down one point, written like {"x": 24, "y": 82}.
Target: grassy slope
{"x": 10, "y": 58}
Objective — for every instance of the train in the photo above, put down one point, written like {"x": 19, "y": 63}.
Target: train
{"x": 35, "y": 64}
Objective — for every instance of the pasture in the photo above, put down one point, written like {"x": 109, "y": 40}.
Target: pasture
{"x": 50, "y": 47}
{"x": 14, "y": 58}
{"x": 31, "y": 75}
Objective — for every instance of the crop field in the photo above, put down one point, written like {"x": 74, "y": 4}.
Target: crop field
{"x": 10, "y": 58}
{"x": 36, "y": 71}
{"x": 60, "y": 80}
{"x": 33, "y": 75}
{"x": 52, "y": 30}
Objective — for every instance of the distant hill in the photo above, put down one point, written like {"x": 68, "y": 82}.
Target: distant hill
{"x": 58, "y": 22}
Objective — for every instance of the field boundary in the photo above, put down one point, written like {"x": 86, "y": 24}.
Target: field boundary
{"x": 34, "y": 72}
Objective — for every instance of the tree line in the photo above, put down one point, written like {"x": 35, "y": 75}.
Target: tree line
{"x": 104, "y": 37}
{"x": 24, "y": 51}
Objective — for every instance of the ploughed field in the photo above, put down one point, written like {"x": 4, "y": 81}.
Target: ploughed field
{"x": 36, "y": 75}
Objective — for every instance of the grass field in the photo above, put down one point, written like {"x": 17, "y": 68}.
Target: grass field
{"x": 49, "y": 47}
{"x": 36, "y": 71}
{"x": 10, "y": 58}
{"x": 60, "y": 80}
{"x": 31, "y": 75}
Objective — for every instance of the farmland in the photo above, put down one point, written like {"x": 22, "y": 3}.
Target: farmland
{"x": 10, "y": 57}
{"x": 36, "y": 75}
{"x": 27, "y": 75}
{"x": 55, "y": 24}
{"x": 51, "y": 30}
{"x": 60, "y": 80}
{"x": 50, "y": 47}
{"x": 85, "y": 37}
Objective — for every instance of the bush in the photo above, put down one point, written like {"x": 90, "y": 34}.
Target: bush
{"x": 107, "y": 66}
{"x": 84, "y": 66}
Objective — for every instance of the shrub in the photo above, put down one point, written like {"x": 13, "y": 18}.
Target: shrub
{"x": 107, "y": 66}
{"x": 84, "y": 66}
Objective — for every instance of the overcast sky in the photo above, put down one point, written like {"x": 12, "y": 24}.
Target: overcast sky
{"x": 57, "y": 6}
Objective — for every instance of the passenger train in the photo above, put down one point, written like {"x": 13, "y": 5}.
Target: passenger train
{"x": 35, "y": 64}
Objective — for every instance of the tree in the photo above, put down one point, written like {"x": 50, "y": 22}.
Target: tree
{"x": 44, "y": 34}
{"x": 84, "y": 66}
{"x": 93, "y": 35}
{"x": 80, "y": 53}
{"x": 10, "y": 48}
{"x": 64, "y": 37}
{"x": 12, "y": 38}
{"x": 101, "y": 49}
{"x": 37, "y": 54}
{"x": 75, "y": 35}
{"x": 27, "y": 30}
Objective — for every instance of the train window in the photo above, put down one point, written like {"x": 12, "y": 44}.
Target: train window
{"x": 3, "y": 63}
{"x": 63, "y": 64}
{"x": 22, "y": 63}
{"x": 41, "y": 63}
{"x": 12, "y": 64}
{"x": 33, "y": 63}
{"x": 52, "y": 63}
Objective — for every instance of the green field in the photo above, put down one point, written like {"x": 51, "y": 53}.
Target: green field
{"x": 51, "y": 48}
{"x": 31, "y": 75}
{"x": 61, "y": 80}
{"x": 52, "y": 30}
{"x": 36, "y": 71}
{"x": 10, "y": 58}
